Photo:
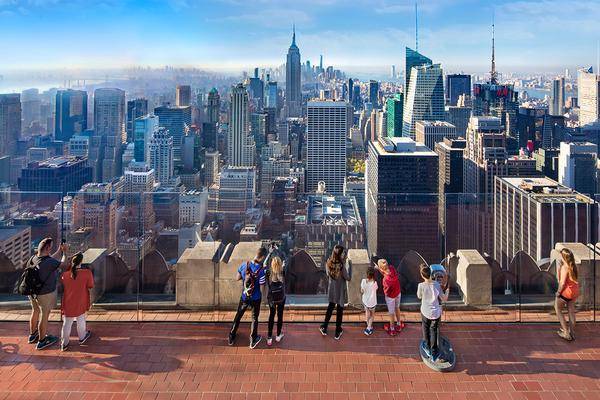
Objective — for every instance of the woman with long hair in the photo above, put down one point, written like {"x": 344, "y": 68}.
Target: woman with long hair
{"x": 276, "y": 298}
{"x": 567, "y": 293}
{"x": 337, "y": 291}
{"x": 77, "y": 283}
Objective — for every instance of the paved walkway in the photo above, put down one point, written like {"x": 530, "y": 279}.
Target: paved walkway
{"x": 192, "y": 361}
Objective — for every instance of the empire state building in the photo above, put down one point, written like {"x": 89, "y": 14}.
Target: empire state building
{"x": 293, "y": 91}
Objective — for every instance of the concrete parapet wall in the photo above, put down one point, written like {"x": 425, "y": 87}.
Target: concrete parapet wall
{"x": 358, "y": 260}
{"x": 474, "y": 279}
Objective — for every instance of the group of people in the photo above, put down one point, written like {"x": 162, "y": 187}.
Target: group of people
{"x": 260, "y": 276}
{"x": 76, "y": 281}
{"x": 264, "y": 276}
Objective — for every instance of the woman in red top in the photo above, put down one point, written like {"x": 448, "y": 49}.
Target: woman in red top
{"x": 75, "y": 303}
{"x": 567, "y": 293}
{"x": 391, "y": 290}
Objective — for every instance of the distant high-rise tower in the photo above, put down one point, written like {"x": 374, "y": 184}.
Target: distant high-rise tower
{"x": 109, "y": 124}
{"x": 557, "y": 98}
{"x": 10, "y": 123}
{"x": 144, "y": 129}
{"x": 213, "y": 106}
{"x": 425, "y": 98}
{"x": 328, "y": 126}
{"x": 177, "y": 120}
{"x": 270, "y": 93}
{"x": 374, "y": 93}
{"x": 456, "y": 86}
{"x": 588, "y": 96}
{"x": 240, "y": 143}
{"x": 413, "y": 59}
{"x": 71, "y": 114}
{"x": 135, "y": 108}
{"x": 256, "y": 89}
{"x": 183, "y": 96}
{"x": 293, "y": 86}
{"x": 576, "y": 166}
{"x": 161, "y": 155}
{"x": 394, "y": 107}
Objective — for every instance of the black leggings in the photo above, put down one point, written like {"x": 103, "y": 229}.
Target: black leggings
{"x": 339, "y": 316}
{"x": 242, "y": 307}
{"x": 431, "y": 331}
{"x": 276, "y": 308}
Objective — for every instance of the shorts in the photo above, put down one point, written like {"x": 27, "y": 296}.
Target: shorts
{"x": 393, "y": 303}
{"x": 369, "y": 308}
{"x": 44, "y": 302}
{"x": 565, "y": 299}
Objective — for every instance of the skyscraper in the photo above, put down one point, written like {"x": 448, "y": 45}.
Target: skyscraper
{"x": 95, "y": 208}
{"x": 240, "y": 142}
{"x": 588, "y": 96}
{"x": 270, "y": 93}
{"x": 31, "y": 109}
{"x": 557, "y": 98}
{"x": 537, "y": 213}
{"x": 497, "y": 100}
{"x": 257, "y": 90}
{"x": 394, "y": 107}
{"x": 413, "y": 59}
{"x": 10, "y": 123}
{"x": 293, "y": 86}
{"x": 459, "y": 117}
{"x": 144, "y": 129}
{"x": 109, "y": 124}
{"x": 401, "y": 199}
{"x": 425, "y": 98}
{"x": 135, "y": 108}
{"x": 350, "y": 90}
{"x": 161, "y": 156}
{"x": 457, "y": 85}
{"x": 327, "y": 128}
{"x": 71, "y": 113}
{"x": 213, "y": 106}
{"x": 177, "y": 120}
{"x": 576, "y": 165}
{"x": 183, "y": 95}
{"x": 374, "y": 93}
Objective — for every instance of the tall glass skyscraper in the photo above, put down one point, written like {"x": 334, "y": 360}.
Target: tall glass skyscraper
{"x": 413, "y": 59}
{"x": 425, "y": 98}
{"x": 457, "y": 85}
{"x": 394, "y": 115}
{"x": 557, "y": 99}
{"x": 135, "y": 108}
{"x": 71, "y": 114}
{"x": 374, "y": 93}
{"x": 240, "y": 142}
{"x": 293, "y": 87}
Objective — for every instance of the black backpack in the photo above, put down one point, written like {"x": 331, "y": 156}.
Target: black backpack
{"x": 30, "y": 283}
{"x": 276, "y": 292}
{"x": 250, "y": 279}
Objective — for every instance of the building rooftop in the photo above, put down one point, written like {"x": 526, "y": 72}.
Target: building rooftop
{"x": 546, "y": 190}
{"x": 436, "y": 123}
{"x": 332, "y": 210}
{"x": 8, "y": 232}
{"x": 57, "y": 162}
{"x": 401, "y": 146}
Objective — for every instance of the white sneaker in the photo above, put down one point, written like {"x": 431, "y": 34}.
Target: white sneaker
{"x": 279, "y": 338}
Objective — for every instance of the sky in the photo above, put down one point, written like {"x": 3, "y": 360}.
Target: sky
{"x": 239, "y": 34}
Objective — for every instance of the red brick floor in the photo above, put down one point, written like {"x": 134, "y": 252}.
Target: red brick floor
{"x": 192, "y": 361}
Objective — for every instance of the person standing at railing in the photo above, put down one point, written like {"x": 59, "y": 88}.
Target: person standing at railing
{"x": 77, "y": 283}
{"x": 252, "y": 274}
{"x": 337, "y": 290}
{"x": 276, "y": 298}
{"x": 431, "y": 293}
{"x": 391, "y": 290}
{"x": 567, "y": 293}
{"x": 44, "y": 300}
{"x": 368, "y": 289}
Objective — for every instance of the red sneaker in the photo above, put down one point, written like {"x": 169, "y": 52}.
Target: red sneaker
{"x": 392, "y": 332}
{"x": 386, "y": 327}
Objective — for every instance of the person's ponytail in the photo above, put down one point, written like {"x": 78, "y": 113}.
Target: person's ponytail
{"x": 75, "y": 263}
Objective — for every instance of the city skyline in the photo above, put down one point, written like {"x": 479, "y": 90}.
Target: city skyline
{"x": 233, "y": 35}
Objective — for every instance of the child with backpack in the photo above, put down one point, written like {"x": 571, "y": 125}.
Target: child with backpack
{"x": 77, "y": 283}
{"x": 368, "y": 288}
{"x": 431, "y": 293}
{"x": 276, "y": 298}
{"x": 252, "y": 274}
{"x": 391, "y": 290}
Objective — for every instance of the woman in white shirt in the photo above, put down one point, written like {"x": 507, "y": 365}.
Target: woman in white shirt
{"x": 430, "y": 292}
{"x": 368, "y": 288}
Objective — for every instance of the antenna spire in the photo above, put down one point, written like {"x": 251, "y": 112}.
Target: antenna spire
{"x": 416, "y": 27}
{"x": 493, "y": 72}
{"x": 294, "y": 34}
